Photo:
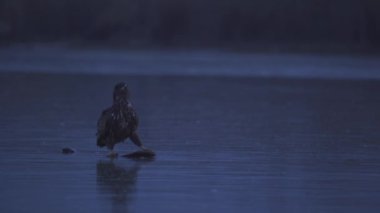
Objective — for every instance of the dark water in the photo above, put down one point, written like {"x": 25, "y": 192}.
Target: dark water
{"x": 223, "y": 145}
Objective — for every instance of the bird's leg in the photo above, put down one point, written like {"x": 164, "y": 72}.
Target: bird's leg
{"x": 136, "y": 140}
{"x": 112, "y": 153}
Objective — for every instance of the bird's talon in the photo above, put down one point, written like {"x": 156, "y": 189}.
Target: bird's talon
{"x": 146, "y": 150}
{"x": 112, "y": 155}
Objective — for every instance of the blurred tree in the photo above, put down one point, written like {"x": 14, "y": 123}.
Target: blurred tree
{"x": 176, "y": 22}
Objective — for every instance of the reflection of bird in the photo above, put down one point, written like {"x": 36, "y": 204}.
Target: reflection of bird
{"x": 118, "y": 182}
{"x": 118, "y": 122}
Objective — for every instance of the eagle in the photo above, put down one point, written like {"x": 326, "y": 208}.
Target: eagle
{"x": 118, "y": 122}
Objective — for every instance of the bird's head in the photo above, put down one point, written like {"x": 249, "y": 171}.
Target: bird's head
{"x": 120, "y": 92}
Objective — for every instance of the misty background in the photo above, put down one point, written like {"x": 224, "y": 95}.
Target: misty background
{"x": 199, "y": 23}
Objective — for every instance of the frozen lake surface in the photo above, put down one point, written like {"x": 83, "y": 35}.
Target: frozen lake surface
{"x": 223, "y": 144}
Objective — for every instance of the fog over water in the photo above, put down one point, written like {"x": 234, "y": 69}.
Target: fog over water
{"x": 187, "y": 63}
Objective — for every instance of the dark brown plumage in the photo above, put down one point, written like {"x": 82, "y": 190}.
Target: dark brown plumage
{"x": 118, "y": 122}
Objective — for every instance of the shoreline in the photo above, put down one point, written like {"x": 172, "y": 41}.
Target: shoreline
{"x": 58, "y": 59}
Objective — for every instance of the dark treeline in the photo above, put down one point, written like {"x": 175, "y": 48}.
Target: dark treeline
{"x": 192, "y": 22}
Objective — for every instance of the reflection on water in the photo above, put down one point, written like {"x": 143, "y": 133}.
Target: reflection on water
{"x": 118, "y": 182}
